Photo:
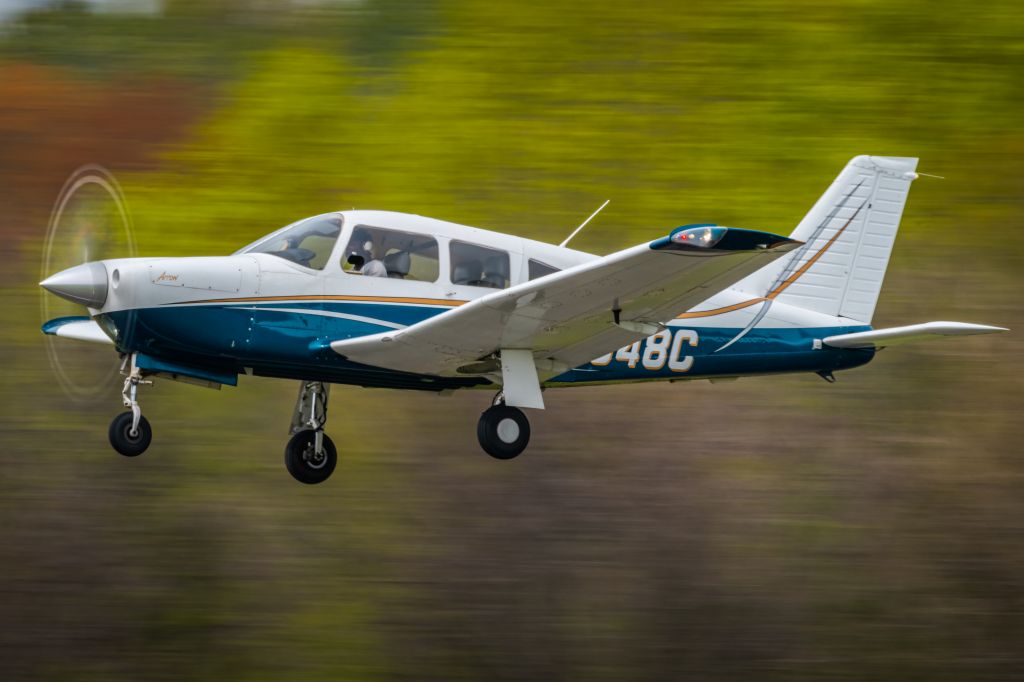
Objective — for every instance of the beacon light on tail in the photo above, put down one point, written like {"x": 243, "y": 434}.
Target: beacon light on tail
{"x": 390, "y": 300}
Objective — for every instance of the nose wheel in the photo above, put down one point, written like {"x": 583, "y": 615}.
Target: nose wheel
{"x": 128, "y": 440}
{"x": 503, "y": 431}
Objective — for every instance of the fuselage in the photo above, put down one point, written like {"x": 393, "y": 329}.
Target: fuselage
{"x": 273, "y": 308}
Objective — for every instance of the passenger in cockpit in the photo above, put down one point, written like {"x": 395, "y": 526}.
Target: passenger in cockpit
{"x": 375, "y": 268}
{"x": 371, "y": 267}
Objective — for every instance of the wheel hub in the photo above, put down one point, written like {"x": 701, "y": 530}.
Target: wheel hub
{"x": 312, "y": 458}
{"x": 508, "y": 430}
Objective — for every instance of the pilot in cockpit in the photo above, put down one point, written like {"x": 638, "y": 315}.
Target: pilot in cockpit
{"x": 361, "y": 256}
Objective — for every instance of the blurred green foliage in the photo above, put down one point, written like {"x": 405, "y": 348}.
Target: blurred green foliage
{"x": 776, "y": 529}
{"x": 524, "y": 120}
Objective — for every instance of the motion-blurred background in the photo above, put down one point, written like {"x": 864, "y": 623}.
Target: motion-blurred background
{"x": 773, "y": 528}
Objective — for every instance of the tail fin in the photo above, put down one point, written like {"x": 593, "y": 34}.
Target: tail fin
{"x": 849, "y": 234}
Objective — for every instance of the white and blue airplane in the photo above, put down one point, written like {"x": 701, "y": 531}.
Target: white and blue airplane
{"x": 390, "y": 300}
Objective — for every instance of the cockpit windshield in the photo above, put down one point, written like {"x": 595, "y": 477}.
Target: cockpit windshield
{"x": 308, "y": 242}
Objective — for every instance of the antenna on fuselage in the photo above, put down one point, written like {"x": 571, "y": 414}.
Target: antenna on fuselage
{"x": 584, "y": 223}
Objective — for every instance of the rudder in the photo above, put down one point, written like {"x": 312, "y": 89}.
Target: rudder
{"x": 849, "y": 235}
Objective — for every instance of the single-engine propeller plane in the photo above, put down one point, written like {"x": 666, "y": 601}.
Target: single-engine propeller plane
{"x": 390, "y": 300}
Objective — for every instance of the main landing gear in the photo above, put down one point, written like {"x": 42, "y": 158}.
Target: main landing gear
{"x": 503, "y": 431}
{"x": 310, "y": 455}
{"x": 130, "y": 432}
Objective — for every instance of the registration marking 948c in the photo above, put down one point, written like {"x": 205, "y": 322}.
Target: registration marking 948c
{"x": 665, "y": 347}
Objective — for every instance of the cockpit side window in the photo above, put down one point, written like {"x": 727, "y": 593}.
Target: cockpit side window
{"x": 538, "y": 269}
{"x": 479, "y": 266}
{"x": 308, "y": 242}
{"x": 381, "y": 252}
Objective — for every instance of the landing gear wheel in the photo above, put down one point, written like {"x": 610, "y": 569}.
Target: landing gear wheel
{"x": 121, "y": 437}
{"x": 503, "y": 431}
{"x": 304, "y": 463}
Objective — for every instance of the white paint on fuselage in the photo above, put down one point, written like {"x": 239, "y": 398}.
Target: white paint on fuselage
{"x": 153, "y": 282}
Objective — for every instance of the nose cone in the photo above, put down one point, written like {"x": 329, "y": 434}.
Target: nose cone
{"x": 85, "y": 284}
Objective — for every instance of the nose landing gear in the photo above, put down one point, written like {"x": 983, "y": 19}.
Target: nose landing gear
{"x": 310, "y": 455}
{"x": 130, "y": 433}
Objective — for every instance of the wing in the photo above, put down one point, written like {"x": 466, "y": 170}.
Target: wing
{"x": 571, "y": 317}
{"x": 78, "y": 328}
{"x": 880, "y": 338}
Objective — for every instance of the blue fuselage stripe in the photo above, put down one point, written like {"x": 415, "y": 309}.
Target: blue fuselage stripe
{"x": 291, "y": 339}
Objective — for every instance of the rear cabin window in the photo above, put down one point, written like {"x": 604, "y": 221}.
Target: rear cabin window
{"x": 380, "y": 252}
{"x": 479, "y": 266}
{"x": 538, "y": 269}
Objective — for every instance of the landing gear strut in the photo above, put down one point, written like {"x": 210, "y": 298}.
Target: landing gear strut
{"x": 310, "y": 455}
{"x": 130, "y": 432}
{"x": 503, "y": 431}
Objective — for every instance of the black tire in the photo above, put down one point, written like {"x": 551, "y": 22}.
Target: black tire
{"x": 121, "y": 435}
{"x": 302, "y": 462}
{"x": 503, "y": 431}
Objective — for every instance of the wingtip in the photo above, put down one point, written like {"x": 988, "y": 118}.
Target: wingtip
{"x": 972, "y": 328}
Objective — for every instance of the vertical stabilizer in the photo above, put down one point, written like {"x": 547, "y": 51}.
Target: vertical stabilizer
{"x": 849, "y": 234}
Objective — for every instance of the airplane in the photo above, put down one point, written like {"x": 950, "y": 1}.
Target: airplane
{"x": 391, "y": 300}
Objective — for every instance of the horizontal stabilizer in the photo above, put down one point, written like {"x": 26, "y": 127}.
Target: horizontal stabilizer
{"x": 878, "y": 338}
{"x": 79, "y": 328}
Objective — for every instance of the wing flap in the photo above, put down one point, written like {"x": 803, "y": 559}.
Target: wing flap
{"x": 568, "y": 318}
{"x": 878, "y": 338}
